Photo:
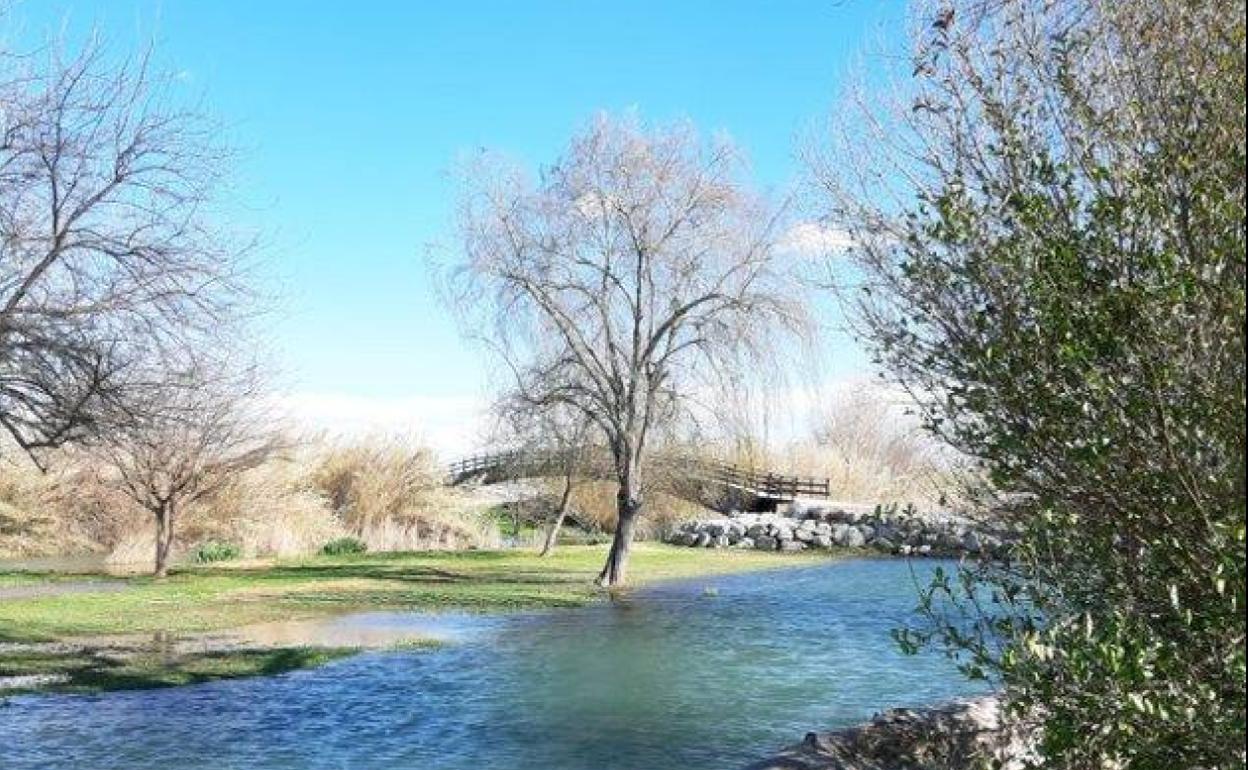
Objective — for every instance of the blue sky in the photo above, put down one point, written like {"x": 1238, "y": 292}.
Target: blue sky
{"x": 350, "y": 114}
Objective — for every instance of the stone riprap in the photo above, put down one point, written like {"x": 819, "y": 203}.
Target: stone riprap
{"x": 885, "y": 531}
{"x": 962, "y": 735}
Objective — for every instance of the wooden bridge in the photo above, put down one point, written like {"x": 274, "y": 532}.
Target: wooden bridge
{"x": 779, "y": 486}
{"x": 740, "y": 486}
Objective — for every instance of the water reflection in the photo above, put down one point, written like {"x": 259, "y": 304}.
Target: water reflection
{"x": 371, "y": 629}
{"x": 91, "y": 563}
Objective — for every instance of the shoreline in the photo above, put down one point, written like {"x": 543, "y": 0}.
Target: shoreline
{"x": 961, "y": 734}
{"x": 140, "y": 632}
{"x": 101, "y": 663}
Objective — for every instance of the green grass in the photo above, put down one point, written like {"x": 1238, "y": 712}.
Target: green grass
{"x": 215, "y": 597}
{"x": 414, "y": 644}
{"x": 344, "y": 546}
{"x": 94, "y": 671}
{"x": 214, "y": 551}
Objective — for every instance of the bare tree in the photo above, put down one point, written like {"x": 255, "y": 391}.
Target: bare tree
{"x": 109, "y": 253}
{"x": 192, "y": 433}
{"x": 562, "y": 441}
{"x": 633, "y": 273}
{"x": 571, "y": 450}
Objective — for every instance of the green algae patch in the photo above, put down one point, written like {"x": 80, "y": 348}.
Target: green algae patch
{"x": 87, "y": 670}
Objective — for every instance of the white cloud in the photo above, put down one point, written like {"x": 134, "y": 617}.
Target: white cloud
{"x": 811, "y": 239}
{"x": 451, "y": 425}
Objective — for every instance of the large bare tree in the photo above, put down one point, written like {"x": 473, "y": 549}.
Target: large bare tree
{"x": 190, "y": 433}
{"x": 634, "y": 272}
{"x": 109, "y": 250}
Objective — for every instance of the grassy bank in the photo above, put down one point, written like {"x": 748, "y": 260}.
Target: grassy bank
{"x": 77, "y": 634}
{"x": 94, "y": 669}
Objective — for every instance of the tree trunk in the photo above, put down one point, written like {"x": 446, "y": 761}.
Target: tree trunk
{"x": 164, "y": 539}
{"x": 552, "y": 534}
{"x": 628, "y": 506}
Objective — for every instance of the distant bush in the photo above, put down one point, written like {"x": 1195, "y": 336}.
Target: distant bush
{"x": 216, "y": 551}
{"x": 589, "y": 538}
{"x": 344, "y": 546}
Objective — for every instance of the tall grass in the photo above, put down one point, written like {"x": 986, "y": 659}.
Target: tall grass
{"x": 873, "y": 450}
{"x": 384, "y": 492}
{"x": 594, "y": 506}
{"x": 866, "y": 443}
{"x": 66, "y": 510}
{"x": 389, "y": 494}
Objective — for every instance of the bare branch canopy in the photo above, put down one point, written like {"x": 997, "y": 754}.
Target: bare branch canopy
{"x": 636, "y": 269}
{"x": 109, "y": 253}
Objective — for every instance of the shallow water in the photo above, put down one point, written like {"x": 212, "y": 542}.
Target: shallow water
{"x": 369, "y": 629}
{"x": 86, "y": 563}
{"x": 61, "y": 588}
{"x": 704, "y": 674}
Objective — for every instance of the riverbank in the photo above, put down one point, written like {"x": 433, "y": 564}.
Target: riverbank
{"x": 964, "y": 734}
{"x": 706, "y": 673}
{"x": 88, "y": 632}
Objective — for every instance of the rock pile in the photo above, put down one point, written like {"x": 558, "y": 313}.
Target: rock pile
{"x": 885, "y": 531}
{"x": 961, "y": 735}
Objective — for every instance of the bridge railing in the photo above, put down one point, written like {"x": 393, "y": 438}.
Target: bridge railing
{"x": 471, "y": 466}
{"x": 764, "y": 483}
{"x": 767, "y": 483}
{"x": 511, "y": 463}
{"x": 478, "y": 464}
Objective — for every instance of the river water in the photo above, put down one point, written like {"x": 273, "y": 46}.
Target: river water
{"x": 705, "y": 674}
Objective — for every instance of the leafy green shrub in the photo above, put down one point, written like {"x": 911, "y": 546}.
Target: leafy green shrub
{"x": 344, "y": 546}
{"x": 1060, "y": 284}
{"x": 216, "y": 551}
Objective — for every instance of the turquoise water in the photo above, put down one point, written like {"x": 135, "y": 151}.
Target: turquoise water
{"x": 704, "y": 674}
